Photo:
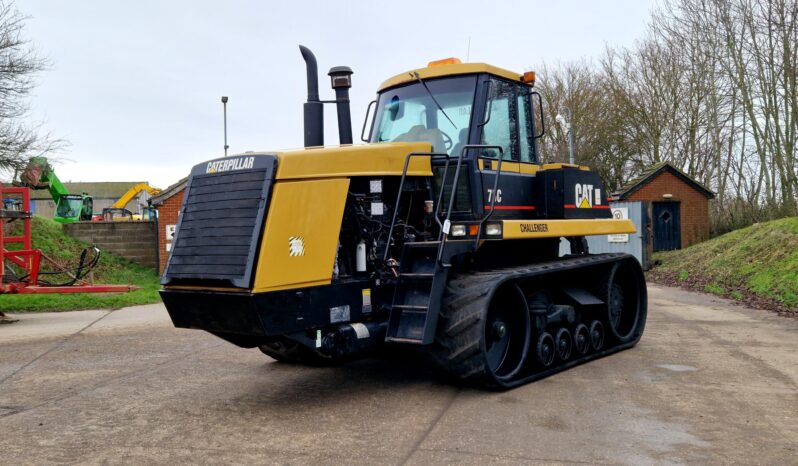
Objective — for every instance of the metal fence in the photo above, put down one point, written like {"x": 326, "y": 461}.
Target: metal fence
{"x": 637, "y": 244}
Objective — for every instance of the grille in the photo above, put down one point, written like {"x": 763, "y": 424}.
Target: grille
{"x": 219, "y": 227}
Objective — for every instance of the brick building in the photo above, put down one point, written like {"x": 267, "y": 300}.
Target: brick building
{"x": 168, "y": 203}
{"x": 679, "y": 205}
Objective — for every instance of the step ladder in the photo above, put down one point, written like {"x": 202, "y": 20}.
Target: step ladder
{"x": 418, "y": 294}
{"x": 424, "y": 267}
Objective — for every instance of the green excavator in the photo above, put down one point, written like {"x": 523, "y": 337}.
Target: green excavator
{"x": 39, "y": 174}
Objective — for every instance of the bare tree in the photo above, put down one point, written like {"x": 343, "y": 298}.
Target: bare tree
{"x": 19, "y": 65}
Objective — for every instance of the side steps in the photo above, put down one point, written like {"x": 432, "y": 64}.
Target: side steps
{"x": 418, "y": 294}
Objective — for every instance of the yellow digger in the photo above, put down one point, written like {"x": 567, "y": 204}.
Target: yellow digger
{"x": 442, "y": 232}
{"x": 118, "y": 213}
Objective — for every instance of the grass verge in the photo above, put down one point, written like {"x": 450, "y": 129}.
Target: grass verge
{"x": 757, "y": 265}
{"x": 48, "y": 236}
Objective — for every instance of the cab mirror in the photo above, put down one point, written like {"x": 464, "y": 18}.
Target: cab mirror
{"x": 540, "y": 111}
{"x": 396, "y": 109}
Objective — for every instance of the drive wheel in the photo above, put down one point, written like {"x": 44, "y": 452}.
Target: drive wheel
{"x": 481, "y": 338}
{"x": 507, "y": 333}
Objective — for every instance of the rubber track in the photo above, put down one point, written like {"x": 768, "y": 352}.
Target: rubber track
{"x": 456, "y": 349}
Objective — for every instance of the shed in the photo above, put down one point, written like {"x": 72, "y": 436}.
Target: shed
{"x": 679, "y": 205}
{"x": 168, "y": 203}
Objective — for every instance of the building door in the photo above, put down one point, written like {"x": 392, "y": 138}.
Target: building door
{"x": 667, "y": 227}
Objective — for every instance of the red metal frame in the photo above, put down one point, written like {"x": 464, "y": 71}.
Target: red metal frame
{"x": 28, "y": 258}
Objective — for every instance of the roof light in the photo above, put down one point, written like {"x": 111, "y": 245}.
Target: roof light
{"x": 445, "y": 61}
{"x": 528, "y": 78}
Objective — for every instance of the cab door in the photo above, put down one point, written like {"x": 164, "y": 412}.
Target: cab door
{"x": 508, "y": 123}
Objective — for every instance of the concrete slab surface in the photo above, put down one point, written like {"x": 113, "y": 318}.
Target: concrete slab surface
{"x": 710, "y": 383}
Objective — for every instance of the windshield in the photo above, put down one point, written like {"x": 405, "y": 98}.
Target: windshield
{"x": 409, "y": 113}
{"x": 69, "y": 207}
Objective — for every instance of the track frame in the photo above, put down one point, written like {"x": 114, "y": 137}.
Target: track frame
{"x": 484, "y": 285}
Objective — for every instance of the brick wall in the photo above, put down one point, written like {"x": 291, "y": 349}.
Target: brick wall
{"x": 167, "y": 215}
{"x": 131, "y": 240}
{"x": 694, "y": 208}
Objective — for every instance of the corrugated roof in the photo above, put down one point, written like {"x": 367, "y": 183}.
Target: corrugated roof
{"x": 169, "y": 192}
{"x": 98, "y": 190}
{"x": 652, "y": 172}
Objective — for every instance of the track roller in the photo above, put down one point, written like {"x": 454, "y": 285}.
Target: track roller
{"x": 596, "y": 335}
{"x": 546, "y": 349}
{"x": 582, "y": 339}
{"x": 564, "y": 344}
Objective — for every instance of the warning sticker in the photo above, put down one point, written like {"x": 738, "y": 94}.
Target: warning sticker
{"x": 619, "y": 213}
{"x": 339, "y": 314}
{"x": 366, "y": 300}
{"x": 360, "y": 330}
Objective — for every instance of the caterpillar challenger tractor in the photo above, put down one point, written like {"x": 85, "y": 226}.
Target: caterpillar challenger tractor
{"x": 442, "y": 233}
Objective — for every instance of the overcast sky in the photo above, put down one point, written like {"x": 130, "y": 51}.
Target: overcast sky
{"x": 135, "y": 86}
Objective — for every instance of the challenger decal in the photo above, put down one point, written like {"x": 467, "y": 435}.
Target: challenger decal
{"x": 534, "y": 227}
{"x": 226, "y": 165}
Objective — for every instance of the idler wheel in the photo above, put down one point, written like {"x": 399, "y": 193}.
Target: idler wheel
{"x": 564, "y": 344}
{"x": 546, "y": 349}
{"x": 624, "y": 295}
{"x": 582, "y": 339}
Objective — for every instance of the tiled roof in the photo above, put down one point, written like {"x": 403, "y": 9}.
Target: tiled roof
{"x": 169, "y": 192}
{"x": 652, "y": 172}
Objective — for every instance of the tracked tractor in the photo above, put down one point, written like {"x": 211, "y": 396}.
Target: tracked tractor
{"x": 441, "y": 233}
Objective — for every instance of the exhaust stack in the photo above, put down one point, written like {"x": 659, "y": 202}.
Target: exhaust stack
{"x": 341, "y": 79}
{"x": 313, "y": 108}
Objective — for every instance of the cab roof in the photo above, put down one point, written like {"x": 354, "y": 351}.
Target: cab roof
{"x": 438, "y": 71}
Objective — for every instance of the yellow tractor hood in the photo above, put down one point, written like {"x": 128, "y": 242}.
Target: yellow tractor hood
{"x": 378, "y": 159}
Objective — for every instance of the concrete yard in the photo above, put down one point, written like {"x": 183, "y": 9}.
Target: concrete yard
{"x": 710, "y": 382}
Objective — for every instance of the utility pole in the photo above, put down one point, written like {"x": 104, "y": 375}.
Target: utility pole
{"x": 224, "y": 104}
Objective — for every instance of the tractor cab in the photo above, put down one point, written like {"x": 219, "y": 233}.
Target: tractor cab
{"x": 474, "y": 111}
{"x": 73, "y": 208}
{"x": 452, "y": 105}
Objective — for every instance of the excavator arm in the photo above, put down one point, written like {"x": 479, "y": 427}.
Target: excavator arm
{"x": 39, "y": 174}
{"x": 133, "y": 192}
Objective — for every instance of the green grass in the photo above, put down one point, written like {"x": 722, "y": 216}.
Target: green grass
{"x": 49, "y": 237}
{"x": 760, "y": 261}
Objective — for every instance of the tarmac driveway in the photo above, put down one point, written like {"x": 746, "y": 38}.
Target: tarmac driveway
{"x": 709, "y": 382}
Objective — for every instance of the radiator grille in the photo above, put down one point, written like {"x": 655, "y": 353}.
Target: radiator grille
{"x": 219, "y": 227}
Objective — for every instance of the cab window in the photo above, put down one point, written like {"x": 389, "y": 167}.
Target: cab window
{"x": 439, "y": 114}
{"x": 508, "y": 112}
{"x": 525, "y": 140}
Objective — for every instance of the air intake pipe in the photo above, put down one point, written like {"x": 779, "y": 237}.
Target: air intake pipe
{"x": 341, "y": 79}
{"x": 313, "y": 108}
